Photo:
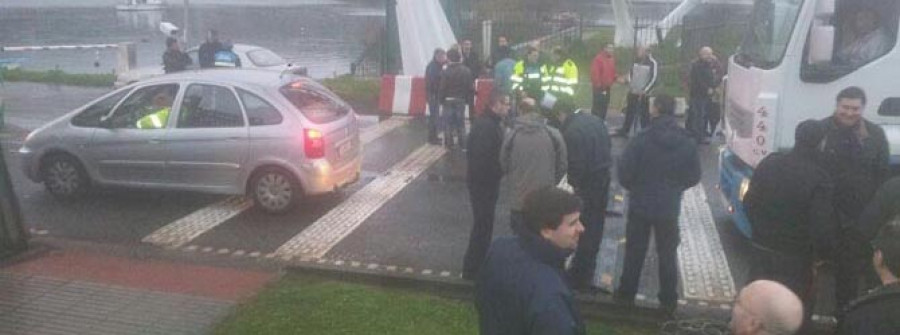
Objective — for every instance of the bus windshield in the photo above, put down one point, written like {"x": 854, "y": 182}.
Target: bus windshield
{"x": 769, "y": 32}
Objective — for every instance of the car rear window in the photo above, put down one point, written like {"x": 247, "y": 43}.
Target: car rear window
{"x": 265, "y": 58}
{"x": 317, "y": 105}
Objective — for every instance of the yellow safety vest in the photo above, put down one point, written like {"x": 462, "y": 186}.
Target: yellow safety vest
{"x": 526, "y": 81}
{"x": 560, "y": 80}
{"x": 155, "y": 120}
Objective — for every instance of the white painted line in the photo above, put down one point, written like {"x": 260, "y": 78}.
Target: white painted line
{"x": 239, "y": 253}
{"x": 330, "y": 229}
{"x": 445, "y": 274}
{"x": 191, "y": 248}
{"x": 186, "y": 229}
{"x": 705, "y": 273}
{"x": 223, "y": 251}
{"x": 426, "y": 272}
{"x": 339, "y": 263}
{"x": 255, "y": 254}
{"x": 354, "y": 264}
{"x": 408, "y": 270}
{"x": 392, "y": 268}
{"x": 207, "y": 249}
{"x": 372, "y": 266}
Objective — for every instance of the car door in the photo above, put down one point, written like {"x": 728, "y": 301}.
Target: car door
{"x": 128, "y": 147}
{"x": 207, "y": 148}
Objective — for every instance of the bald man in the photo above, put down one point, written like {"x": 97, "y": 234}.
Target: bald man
{"x": 703, "y": 82}
{"x": 766, "y": 307}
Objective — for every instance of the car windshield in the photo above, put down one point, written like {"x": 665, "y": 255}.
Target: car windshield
{"x": 769, "y": 32}
{"x": 265, "y": 58}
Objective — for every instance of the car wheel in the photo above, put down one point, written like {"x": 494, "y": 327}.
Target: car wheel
{"x": 64, "y": 177}
{"x": 274, "y": 190}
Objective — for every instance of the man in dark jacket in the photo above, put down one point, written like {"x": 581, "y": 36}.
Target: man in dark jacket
{"x": 656, "y": 168}
{"x": 174, "y": 60}
{"x": 876, "y": 312}
{"x": 703, "y": 83}
{"x": 589, "y": 152}
{"x": 471, "y": 60}
{"x": 483, "y": 177}
{"x": 521, "y": 288}
{"x": 206, "y": 56}
{"x": 789, "y": 204}
{"x": 432, "y": 89}
{"x": 456, "y": 86}
{"x": 883, "y": 207}
{"x": 855, "y": 154}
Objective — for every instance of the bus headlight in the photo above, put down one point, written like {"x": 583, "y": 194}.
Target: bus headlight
{"x": 742, "y": 191}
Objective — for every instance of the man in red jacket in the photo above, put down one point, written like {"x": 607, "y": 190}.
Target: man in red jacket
{"x": 603, "y": 75}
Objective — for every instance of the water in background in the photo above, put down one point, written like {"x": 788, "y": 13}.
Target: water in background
{"x": 324, "y": 36}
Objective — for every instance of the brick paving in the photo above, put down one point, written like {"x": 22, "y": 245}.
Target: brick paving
{"x": 80, "y": 293}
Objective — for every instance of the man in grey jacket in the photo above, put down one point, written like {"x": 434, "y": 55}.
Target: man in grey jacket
{"x": 533, "y": 156}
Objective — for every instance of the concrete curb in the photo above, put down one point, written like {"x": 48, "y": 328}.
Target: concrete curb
{"x": 600, "y": 308}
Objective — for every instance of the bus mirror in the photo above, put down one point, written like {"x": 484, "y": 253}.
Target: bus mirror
{"x": 821, "y": 44}
{"x": 825, "y": 8}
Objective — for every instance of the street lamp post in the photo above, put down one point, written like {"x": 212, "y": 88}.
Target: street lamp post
{"x": 187, "y": 5}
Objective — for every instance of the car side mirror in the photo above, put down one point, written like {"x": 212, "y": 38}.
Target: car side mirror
{"x": 821, "y": 44}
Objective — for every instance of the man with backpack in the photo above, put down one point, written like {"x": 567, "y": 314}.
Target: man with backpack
{"x": 533, "y": 156}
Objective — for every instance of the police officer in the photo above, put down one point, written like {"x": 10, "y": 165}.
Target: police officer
{"x": 158, "y": 117}
{"x": 527, "y": 78}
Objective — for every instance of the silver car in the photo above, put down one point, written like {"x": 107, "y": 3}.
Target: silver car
{"x": 275, "y": 137}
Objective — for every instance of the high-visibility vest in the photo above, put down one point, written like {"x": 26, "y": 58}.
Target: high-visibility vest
{"x": 560, "y": 80}
{"x": 155, "y": 120}
{"x": 528, "y": 79}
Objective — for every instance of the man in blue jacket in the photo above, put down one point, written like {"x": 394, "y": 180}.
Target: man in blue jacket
{"x": 656, "y": 168}
{"x": 521, "y": 288}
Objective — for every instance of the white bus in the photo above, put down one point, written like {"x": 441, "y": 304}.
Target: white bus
{"x": 795, "y": 58}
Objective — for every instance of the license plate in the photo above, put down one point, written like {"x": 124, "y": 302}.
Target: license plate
{"x": 345, "y": 148}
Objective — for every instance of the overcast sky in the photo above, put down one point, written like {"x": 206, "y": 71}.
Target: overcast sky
{"x": 110, "y": 3}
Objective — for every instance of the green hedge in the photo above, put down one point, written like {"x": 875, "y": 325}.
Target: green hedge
{"x": 58, "y": 77}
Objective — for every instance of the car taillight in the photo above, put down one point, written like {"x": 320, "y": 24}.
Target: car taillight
{"x": 313, "y": 143}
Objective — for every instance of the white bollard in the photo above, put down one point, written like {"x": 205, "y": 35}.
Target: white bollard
{"x": 127, "y": 57}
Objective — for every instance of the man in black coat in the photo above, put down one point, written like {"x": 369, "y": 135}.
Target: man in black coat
{"x": 483, "y": 179}
{"x": 206, "y": 56}
{"x": 175, "y": 60}
{"x": 790, "y": 207}
{"x": 883, "y": 207}
{"x": 522, "y": 288}
{"x": 876, "y": 312}
{"x": 656, "y": 168}
{"x": 590, "y": 157}
{"x": 855, "y": 154}
{"x": 473, "y": 62}
{"x": 432, "y": 90}
{"x": 703, "y": 82}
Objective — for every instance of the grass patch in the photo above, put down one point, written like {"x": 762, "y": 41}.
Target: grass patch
{"x": 312, "y": 305}
{"x": 58, "y": 77}
{"x": 361, "y": 93}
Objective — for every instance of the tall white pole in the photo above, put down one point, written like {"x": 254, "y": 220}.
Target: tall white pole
{"x": 187, "y": 5}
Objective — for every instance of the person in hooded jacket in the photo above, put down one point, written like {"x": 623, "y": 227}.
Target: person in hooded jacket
{"x": 876, "y": 312}
{"x": 789, "y": 205}
{"x": 432, "y": 90}
{"x": 656, "y": 168}
{"x": 533, "y": 156}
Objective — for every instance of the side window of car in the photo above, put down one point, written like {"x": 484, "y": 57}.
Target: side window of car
{"x": 92, "y": 115}
{"x": 209, "y": 106}
{"x": 259, "y": 112}
{"x": 146, "y": 108}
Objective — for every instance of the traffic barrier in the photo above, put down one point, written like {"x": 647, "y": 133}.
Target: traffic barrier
{"x": 483, "y": 88}
{"x": 402, "y": 95}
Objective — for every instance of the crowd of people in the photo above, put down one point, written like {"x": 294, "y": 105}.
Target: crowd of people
{"x": 817, "y": 204}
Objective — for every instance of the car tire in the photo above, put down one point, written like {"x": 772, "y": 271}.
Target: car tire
{"x": 274, "y": 190}
{"x": 64, "y": 176}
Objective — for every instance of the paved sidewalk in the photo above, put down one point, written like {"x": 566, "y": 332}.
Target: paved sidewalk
{"x": 72, "y": 292}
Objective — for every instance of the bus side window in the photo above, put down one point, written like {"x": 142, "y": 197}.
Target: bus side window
{"x": 890, "y": 107}
{"x": 857, "y": 33}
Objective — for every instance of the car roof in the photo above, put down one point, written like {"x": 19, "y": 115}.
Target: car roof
{"x": 232, "y": 76}
{"x": 237, "y": 48}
